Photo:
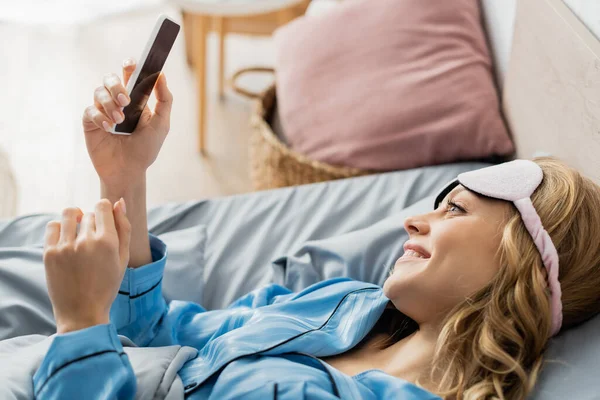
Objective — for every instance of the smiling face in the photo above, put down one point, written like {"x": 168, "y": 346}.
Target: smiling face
{"x": 451, "y": 253}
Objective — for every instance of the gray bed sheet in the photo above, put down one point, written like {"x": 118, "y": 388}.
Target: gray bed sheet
{"x": 223, "y": 248}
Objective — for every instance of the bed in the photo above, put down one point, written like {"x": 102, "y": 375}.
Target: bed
{"x": 549, "y": 74}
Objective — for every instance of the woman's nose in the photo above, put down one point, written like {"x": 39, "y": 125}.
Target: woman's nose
{"x": 416, "y": 224}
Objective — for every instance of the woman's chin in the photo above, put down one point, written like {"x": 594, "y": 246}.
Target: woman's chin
{"x": 405, "y": 271}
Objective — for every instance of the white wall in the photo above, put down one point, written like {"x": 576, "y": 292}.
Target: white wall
{"x": 499, "y": 17}
{"x": 588, "y": 11}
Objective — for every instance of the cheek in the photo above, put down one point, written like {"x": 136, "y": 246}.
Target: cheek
{"x": 467, "y": 266}
{"x": 467, "y": 249}
{"x": 479, "y": 270}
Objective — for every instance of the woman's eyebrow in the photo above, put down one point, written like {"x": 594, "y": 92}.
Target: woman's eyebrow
{"x": 455, "y": 191}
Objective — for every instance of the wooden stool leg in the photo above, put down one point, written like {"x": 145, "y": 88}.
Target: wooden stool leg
{"x": 286, "y": 15}
{"x": 188, "y": 30}
{"x": 221, "y": 34}
{"x": 200, "y": 32}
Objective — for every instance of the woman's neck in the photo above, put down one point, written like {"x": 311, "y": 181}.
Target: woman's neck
{"x": 410, "y": 358}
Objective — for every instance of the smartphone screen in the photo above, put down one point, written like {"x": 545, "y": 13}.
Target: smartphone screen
{"x": 150, "y": 70}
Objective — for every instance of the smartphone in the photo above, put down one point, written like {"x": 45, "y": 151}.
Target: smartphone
{"x": 141, "y": 82}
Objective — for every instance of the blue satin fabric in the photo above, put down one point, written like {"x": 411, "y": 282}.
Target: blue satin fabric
{"x": 267, "y": 344}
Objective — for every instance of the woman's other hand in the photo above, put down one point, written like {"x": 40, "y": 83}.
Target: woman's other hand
{"x": 122, "y": 160}
{"x": 84, "y": 270}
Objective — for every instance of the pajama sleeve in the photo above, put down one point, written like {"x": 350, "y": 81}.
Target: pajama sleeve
{"x": 85, "y": 364}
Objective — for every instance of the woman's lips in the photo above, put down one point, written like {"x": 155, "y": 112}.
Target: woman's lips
{"x": 411, "y": 255}
{"x": 415, "y": 250}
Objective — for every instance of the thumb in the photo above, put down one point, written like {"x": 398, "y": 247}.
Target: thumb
{"x": 123, "y": 231}
{"x": 164, "y": 98}
{"x": 128, "y": 68}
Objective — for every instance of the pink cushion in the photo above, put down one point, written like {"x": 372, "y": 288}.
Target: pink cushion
{"x": 390, "y": 84}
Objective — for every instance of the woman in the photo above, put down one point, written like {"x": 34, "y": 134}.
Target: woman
{"x": 504, "y": 262}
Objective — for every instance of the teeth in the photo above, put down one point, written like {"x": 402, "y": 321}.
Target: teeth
{"x": 412, "y": 253}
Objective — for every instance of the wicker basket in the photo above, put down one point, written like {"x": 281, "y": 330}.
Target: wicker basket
{"x": 272, "y": 163}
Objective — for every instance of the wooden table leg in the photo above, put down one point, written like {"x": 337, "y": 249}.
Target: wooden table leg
{"x": 200, "y": 32}
{"x": 286, "y": 15}
{"x": 221, "y": 34}
{"x": 188, "y": 30}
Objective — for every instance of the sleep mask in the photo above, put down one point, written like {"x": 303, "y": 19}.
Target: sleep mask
{"x": 515, "y": 181}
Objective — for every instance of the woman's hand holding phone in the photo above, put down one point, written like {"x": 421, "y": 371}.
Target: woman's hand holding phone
{"x": 122, "y": 160}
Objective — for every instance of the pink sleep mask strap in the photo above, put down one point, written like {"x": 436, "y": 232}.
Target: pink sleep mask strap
{"x": 516, "y": 181}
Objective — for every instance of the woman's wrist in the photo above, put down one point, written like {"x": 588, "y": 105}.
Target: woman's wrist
{"x": 129, "y": 189}
{"x": 134, "y": 194}
{"x": 80, "y": 323}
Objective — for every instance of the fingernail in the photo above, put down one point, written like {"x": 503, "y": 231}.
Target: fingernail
{"x": 117, "y": 117}
{"x": 106, "y": 126}
{"x": 123, "y": 207}
{"x": 123, "y": 99}
{"x": 127, "y": 62}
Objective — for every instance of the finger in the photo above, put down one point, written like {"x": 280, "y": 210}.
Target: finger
{"x": 164, "y": 102}
{"x": 68, "y": 225}
{"x": 128, "y": 69}
{"x": 88, "y": 224}
{"x": 117, "y": 91}
{"x": 112, "y": 110}
{"x": 123, "y": 230}
{"x": 52, "y": 234}
{"x": 94, "y": 118}
{"x": 164, "y": 97}
{"x": 105, "y": 221}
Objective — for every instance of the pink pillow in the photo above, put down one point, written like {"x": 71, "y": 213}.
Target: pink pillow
{"x": 390, "y": 84}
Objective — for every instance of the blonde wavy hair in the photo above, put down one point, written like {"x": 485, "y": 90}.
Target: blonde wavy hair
{"x": 491, "y": 346}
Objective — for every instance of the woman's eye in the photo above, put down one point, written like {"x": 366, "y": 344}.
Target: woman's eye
{"x": 453, "y": 207}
